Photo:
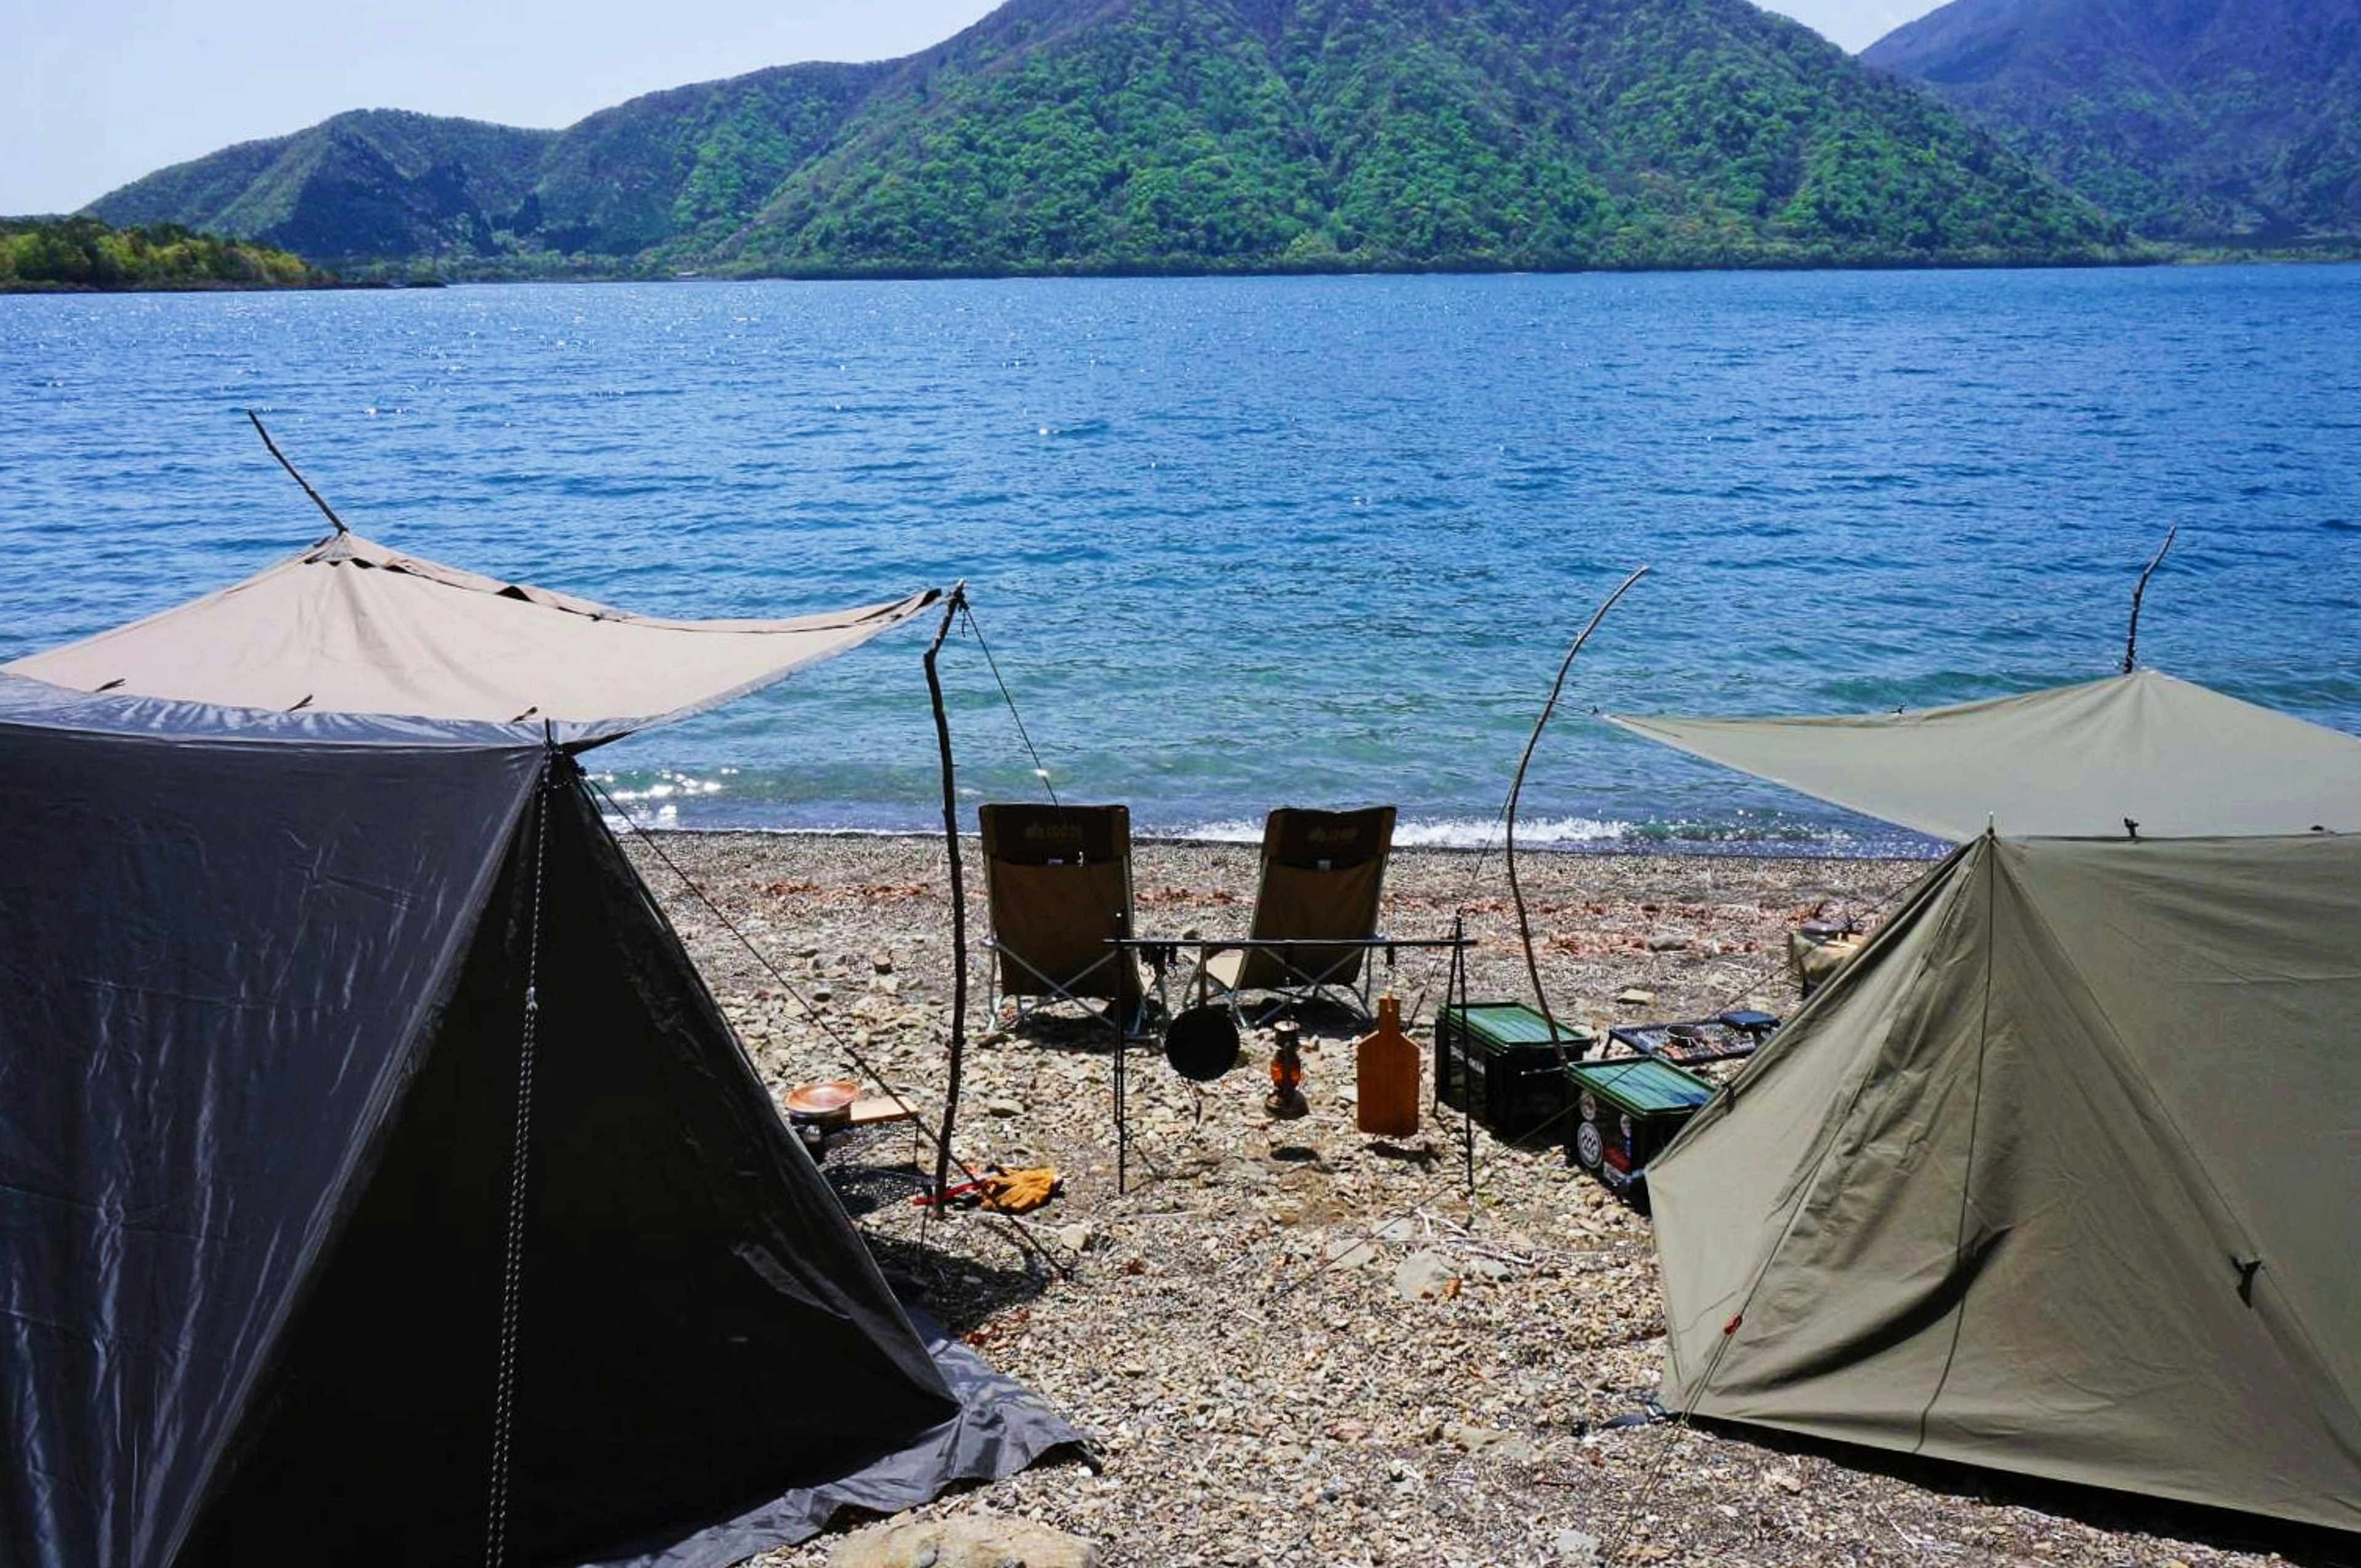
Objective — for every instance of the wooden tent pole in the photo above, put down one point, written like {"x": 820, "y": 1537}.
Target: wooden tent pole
{"x": 952, "y": 602}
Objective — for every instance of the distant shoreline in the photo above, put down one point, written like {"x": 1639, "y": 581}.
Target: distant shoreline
{"x": 468, "y": 277}
{"x": 193, "y": 288}
{"x": 216, "y": 286}
{"x": 1455, "y": 268}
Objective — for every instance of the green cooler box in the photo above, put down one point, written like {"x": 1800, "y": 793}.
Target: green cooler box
{"x": 1494, "y": 1060}
{"x": 1625, "y": 1111}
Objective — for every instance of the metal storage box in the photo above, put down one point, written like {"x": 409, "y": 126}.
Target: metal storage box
{"x": 1625, "y": 1111}
{"x": 1494, "y": 1060}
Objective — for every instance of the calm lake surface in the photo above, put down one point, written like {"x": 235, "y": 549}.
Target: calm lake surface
{"x": 1245, "y": 542}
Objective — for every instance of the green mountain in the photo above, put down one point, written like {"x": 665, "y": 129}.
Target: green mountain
{"x": 2192, "y": 120}
{"x": 1186, "y": 135}
{"x": 83, "y": 253}
{"x": 374, "y": 184}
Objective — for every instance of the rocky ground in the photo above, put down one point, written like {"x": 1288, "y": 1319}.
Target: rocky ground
{"x": 1291, "y": 1342}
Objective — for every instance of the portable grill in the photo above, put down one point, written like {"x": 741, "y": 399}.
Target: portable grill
{"x": 1697, "y": 1042}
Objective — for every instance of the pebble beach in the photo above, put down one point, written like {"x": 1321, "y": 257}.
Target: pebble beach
{"x": 1295, "y": 1343}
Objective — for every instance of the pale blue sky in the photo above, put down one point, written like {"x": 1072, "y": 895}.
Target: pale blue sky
{"x": 100, "y": 92}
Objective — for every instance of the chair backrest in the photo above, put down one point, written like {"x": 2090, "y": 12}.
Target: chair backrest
{"x": 1058, "y": 879}
{"x": 1323, "y": 874}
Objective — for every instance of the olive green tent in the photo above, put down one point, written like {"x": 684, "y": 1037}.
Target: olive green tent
{"x": 2057, "y": 1177}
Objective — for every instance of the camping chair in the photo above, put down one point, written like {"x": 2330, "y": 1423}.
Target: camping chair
{"x": 1321, "y": 874}
{"x": 1058, "y": 879}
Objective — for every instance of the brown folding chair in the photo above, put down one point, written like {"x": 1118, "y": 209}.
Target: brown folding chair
{"x": 1057, "y": 882}
{"x": 1323, "y": 874}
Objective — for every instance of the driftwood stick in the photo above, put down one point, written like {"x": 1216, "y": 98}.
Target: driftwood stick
{"x": 299, "y": 478}
{"x": 2131, "y": 638}
{"x": 1508, "y": 842}
{"x": 951, "y": 603}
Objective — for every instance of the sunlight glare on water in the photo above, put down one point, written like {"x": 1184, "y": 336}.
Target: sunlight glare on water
{"x": 1237, "y": 542}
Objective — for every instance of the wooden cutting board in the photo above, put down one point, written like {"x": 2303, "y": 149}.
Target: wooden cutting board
{"x": 1386, "y": 1069}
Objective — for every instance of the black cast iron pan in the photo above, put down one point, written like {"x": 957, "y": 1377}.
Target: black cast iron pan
{"x": 1201, "y": 1043}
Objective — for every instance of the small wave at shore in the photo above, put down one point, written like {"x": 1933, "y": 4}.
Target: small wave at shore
{"x": 1448, "y": 833}
{"x": 1744, "y": 834}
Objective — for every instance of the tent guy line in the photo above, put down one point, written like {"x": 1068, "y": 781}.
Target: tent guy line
{"x": 812, "y": 1014}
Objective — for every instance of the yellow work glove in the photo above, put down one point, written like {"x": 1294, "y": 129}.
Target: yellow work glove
{"x": 1019, "y": 1191}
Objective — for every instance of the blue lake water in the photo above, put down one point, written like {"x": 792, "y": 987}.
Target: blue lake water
{"x": 1243, "y": 542}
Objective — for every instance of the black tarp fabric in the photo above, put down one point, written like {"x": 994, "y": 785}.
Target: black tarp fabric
{"x": 259, "y": 1087}
{"x": 214, "y": 957}
{"x": 1000, "y": 1427}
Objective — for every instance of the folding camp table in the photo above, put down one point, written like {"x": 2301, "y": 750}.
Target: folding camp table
{"x": 1159, "y": 952}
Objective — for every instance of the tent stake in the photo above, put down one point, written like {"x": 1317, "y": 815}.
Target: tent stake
{"x": 951, "y": 603}
{"x": 1508, "y": 842}
{"x": 324, "y": 506}
{"x": 2131, "y": 638}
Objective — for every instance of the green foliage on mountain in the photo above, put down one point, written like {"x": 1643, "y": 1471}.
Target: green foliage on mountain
{"x": 372, "y": 184}
{"x": 686, "y": 167}
{"x": 1171, "y": 134}
{"x": 1157, "y": 135}
{"x": 2191, "y": 120}
{"x": 387, "y": 186}
{"x": 1193, "y": 135}
{"x": 84, "y": 253}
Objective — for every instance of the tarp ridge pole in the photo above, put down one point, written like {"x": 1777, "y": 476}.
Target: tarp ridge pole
{"x": 2139, "y": 590}
{"x": 316, "y": 500}
{"x": 512, "y": 1260}
{"x": 952, "y": 604}
{"x": 1516, "y": 788}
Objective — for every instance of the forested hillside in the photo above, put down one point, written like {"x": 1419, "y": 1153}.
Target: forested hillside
{"x": 1170, "y": 133}
{"x": 2192, "y": 120}
{"x": 84, "y": 253}
{"x": 1191, "y": 136}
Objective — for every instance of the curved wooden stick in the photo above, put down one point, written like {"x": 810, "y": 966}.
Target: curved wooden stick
{"x": 952, "y": 604}
{"x": 299, "y": 478}
{"x": 1508, "y": 848}
{"x": 2131, "y": 639}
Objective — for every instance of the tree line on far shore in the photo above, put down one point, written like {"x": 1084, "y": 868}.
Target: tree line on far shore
{"x": 79, "y": 253}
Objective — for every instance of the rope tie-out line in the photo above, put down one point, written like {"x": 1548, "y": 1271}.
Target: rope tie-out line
{"x": 1025, "y": 1241}
{"x": 496, "y": 1524}
{"x": 1040, "y": 769}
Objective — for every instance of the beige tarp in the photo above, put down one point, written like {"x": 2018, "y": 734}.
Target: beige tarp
{"x": 2057, "y": 1177}
{"x": 352, "y": 627}
{"x": 2180, "y": 761}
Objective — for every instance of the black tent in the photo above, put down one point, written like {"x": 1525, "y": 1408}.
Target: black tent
{"x": 267, "y": 980}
